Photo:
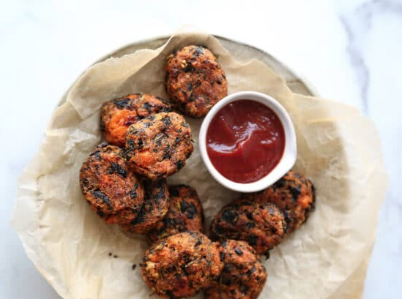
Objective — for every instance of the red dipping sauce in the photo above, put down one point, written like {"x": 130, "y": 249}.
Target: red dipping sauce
{"x": 245, "y": 141}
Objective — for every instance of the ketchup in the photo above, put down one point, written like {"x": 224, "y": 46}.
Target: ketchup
{"x": 245, "y": 141}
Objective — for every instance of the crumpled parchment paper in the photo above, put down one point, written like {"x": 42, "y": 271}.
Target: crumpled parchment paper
{"x": 338, "y": 149}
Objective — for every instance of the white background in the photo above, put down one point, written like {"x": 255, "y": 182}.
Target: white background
{"x": 349, "y": 49}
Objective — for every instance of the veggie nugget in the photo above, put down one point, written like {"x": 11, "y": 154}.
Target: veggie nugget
{"x": 194, "y": 80}
{"x": 158, "y": 146}
{"x": 185, "y": 214}
{"x": 294, "y": 194}
{"x": 243, "y": 275}
{"x": 113, "y": 192}
{"x": 261, "y": 224}
{"x": 117, "y": 115}
{"x": 155, "y": 207}
{"x": 181, "y": 265}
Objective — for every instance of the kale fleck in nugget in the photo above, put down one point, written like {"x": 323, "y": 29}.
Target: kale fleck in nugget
{"x": 158, "y": 146}
{"x": 117, "y": 115}
{"x": 113, "y": 192}
{"x": 194, "y": 80}
{"x": 243, "y": 275}
{"x": 155, "y": 207}
{"x": 261, "y": 224}
{"x": 293, "y": 194}
{"x": 185, "y": 214}
{"x": 181, "y": 265}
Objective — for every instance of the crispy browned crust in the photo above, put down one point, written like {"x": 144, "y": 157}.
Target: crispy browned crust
{"x": 243, "y": 275}
{"x": 293, "y": 194}
{"x": 194, "y": 80}
{"x": 155, "y": 207}
{"x": 117, "y": 115}
{"x": 261, "y": 224}
{"x": 158, "y": 146}
{"x": 181, "y": 265}
{"x": 185, "y": 214}
{"x": 113, "y": 192}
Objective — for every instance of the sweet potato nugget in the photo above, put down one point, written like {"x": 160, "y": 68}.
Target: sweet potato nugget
{"x": 155, "y": 207}
{"x": 185, "y": 214}
{"x": 181, "y": 265}
{"x": 259, "y": 223}
{"x": 194, "y": 80}
{"x": 158, "y": 146}
{"x": 117, "y": 115}
{"x": 293, "y": 194}
{"x": 243, "y": 275}
{"x": 113, "y": 192}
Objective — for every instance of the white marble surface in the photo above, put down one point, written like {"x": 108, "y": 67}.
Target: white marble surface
{"x": 349, "y": 49}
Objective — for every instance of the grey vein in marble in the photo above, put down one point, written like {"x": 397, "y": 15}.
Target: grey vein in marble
{"x": 356, "y": 23}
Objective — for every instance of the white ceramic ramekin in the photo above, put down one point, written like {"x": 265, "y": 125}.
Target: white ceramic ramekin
{"x": 289, "y": 155}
